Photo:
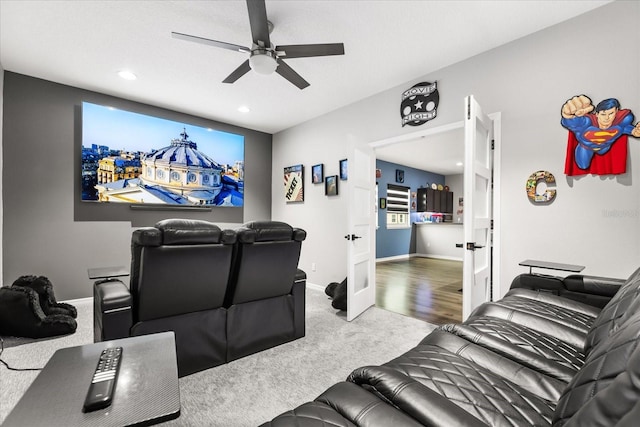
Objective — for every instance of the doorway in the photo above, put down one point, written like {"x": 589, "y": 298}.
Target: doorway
{"x": 481, "y": 218}
{"x": 427, "y": 282}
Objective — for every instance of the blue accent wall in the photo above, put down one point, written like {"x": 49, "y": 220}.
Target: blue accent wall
{"x": 396, "y": 242}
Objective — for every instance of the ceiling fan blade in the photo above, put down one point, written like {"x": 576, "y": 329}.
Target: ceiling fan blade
{"x": 210, "y": 42}
{"x": 287, "y": 72}
{"x": 258, "y": 22}
{"x": 243, "y": 69}
{"x": 307, "y": 50}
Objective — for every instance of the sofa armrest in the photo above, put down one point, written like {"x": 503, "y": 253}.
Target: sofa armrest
{"x": 300, "y": 276}
{"x": 112, "y": 314}
{"x": 364, "y": 409}
{"x": 412, "y": 397}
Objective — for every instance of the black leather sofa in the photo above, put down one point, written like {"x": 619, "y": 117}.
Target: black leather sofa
{"x": 225, "y": 293}
{"x": 531, "y": 358}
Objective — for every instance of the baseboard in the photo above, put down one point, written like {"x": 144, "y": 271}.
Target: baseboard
{"x": 78, "y": 300}
{"x": 446, "y": 257}
{"x": 394, "y": 258}
{"x": 315, "y": 287}
{"x": 409, "y": 256}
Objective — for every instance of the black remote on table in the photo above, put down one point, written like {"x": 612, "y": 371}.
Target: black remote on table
{"x": 104, "y": 379}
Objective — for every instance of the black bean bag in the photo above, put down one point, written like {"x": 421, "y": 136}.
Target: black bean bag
{"x": 22, "y": 316}
{"x": 44, "y": 289}
{"x": 338, "y": 292}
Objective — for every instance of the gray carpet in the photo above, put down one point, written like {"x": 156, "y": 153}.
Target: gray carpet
{"x": 252, "y": 390}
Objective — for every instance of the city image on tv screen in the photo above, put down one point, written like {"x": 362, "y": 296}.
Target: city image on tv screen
{"x": 134, "y": 158}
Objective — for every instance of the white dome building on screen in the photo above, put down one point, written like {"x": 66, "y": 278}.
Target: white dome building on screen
{"x": 183, "y": 170}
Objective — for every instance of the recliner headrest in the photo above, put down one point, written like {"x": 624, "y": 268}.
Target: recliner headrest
{"x": 269, "y": 231}
{"x": 193, "y": 231}
{"x": 147, "y": 236}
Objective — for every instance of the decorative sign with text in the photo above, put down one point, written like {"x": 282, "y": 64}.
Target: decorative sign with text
{"x": 419, "y": 104}
{"x": 293, "y": 184}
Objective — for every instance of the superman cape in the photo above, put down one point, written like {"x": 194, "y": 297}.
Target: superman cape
{"x": 614, "y": 162}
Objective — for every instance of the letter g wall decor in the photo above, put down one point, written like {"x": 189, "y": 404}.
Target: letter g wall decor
{"x": 419, "y": 104}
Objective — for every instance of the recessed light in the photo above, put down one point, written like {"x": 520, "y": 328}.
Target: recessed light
{"x": 459, "y": 164}
{"x": 243, "y": 109}
{"x": 127, "y": 75}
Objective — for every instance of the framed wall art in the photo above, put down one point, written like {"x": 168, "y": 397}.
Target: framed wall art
{"x": 344, "y": 171}
{"x": 331, "y": 185}
{"x": 294, "y": 184}
{"x": 317, "y": 174}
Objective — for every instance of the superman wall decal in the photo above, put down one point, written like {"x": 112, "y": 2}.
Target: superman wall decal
{"x": 597, "y": 142}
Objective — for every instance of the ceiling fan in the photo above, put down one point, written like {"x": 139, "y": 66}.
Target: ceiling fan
{"x": 264, "y": 57}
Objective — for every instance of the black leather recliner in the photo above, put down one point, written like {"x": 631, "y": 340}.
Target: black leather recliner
{"x": 223, "y": 297}
{"x": 180, "y": 272}
{"x": 266, "y": 288}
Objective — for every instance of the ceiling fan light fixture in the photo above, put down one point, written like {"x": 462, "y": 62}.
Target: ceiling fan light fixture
{"x": 263, "y": 61}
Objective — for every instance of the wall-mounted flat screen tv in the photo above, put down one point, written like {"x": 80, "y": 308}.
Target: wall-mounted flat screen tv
{"x": 133, "y": 158}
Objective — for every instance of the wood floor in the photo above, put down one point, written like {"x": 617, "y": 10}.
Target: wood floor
{"x": 424, "y": 288}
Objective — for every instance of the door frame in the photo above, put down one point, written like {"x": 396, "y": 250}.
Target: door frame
{"x": 497, "y": 164}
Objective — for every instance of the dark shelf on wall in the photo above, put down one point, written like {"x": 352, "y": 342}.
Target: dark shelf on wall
{"x": 147, "y": 207}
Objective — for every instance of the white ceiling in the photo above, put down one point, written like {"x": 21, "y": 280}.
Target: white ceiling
{"x": 387, "y": 43}
{"x": 438, "y": 153}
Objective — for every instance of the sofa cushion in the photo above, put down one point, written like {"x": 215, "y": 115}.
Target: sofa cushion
{"x": 614, "y": 312}
{"x": 544, "y": 352}
{"x": 557, "y": 309}
{"x": 572, "y": 336}
{"x": 487, "y": 396}
{"x": 532, "y": 380}
{"x": 608, "y": 385}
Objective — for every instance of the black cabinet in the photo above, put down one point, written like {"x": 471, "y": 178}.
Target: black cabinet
{"x": 422, "y": 200}
{"x": 430, "y": 200}
{"x": 449, "y": 203}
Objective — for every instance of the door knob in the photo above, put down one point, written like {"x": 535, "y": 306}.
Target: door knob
{"x": 352, "y": 237}
{"x": 471, "y": 246}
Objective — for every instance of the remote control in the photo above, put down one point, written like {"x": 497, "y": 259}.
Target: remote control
{"x": 104, "y": 379}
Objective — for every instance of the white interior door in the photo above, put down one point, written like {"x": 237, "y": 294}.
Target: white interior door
{"x": 361, "y": 273}
{"x": 476, "y": 283}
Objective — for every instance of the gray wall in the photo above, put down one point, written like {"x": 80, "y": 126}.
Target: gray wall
{"x": 47, "y": 230}
{"x": 594, "y": 221}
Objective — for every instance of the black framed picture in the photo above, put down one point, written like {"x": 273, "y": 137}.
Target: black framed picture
{"x": 383, "y": 203}
{"x": 331, "y": 185}
{"x": 344, "y": 171}
{"x": 399, "y": 175}
{"x": 317, "y": 174}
